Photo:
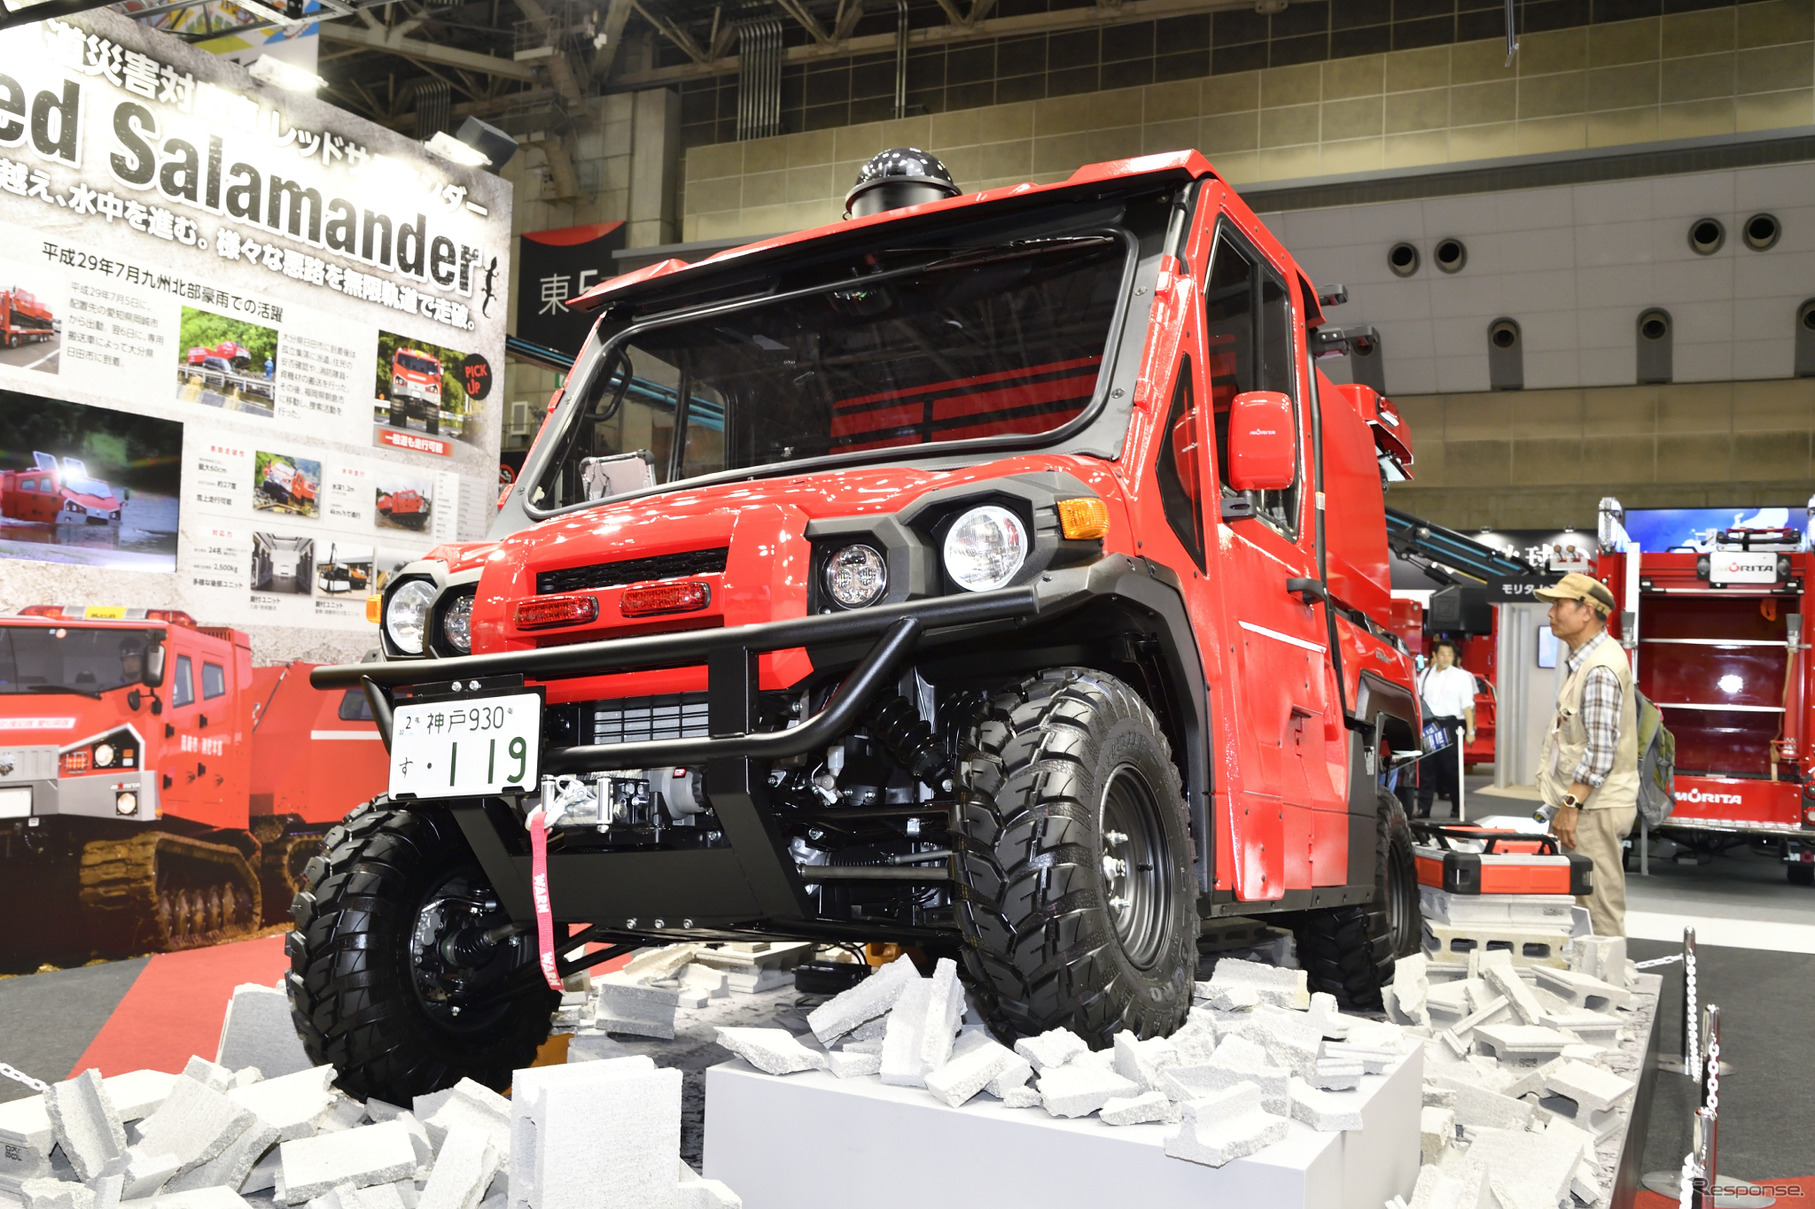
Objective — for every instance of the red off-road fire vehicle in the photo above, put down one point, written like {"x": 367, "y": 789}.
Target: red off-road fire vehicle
{"x": 406, "y": 507}
{"x": 415, "y": 388}
{"x": 1003, "y": 580}
{"x": 157, "y": 791}
{"x": 53, "y": 494}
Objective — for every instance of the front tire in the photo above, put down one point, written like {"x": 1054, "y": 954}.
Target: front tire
{"x": 373, "y": 988}
{"x": 1077, "y": 904}
{"x": 1800, "y": 874}
{"x": 1350, "y": 951}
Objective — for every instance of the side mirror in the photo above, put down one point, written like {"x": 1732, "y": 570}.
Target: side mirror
{"x": 154, "y": 665}
{"x": 1263, "y": 442}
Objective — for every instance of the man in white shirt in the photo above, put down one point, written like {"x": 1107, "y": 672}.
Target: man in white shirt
{"x": 1448, "y": 695}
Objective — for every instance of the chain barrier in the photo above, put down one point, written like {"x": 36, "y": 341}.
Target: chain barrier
{"x": 1653, "y": 963}
{"x": 1691, "y": 1018}
{"x": 19, "y": 1076}
{"x": 1686, "y": 1190}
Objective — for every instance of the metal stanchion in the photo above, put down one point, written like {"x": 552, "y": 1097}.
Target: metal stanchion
{"x": 1689, "y": 1063}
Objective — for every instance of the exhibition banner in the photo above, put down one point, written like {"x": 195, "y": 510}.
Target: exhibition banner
{"x": 247, "y": 340}
{"x": 556, "y": 266}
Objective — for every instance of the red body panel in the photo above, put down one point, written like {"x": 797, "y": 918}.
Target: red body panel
{"x": 312, "y": 763}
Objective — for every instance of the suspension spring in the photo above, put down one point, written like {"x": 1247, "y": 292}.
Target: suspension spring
{"x": 897, "y": 726}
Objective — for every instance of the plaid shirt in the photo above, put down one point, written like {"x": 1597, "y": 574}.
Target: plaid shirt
{"x": 1600, "y": 714}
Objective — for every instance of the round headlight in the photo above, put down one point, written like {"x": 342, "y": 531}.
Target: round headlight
{"x": 104, "y": 754}
{"x": 985, "y": 548}
{"x": 856, "y": 576}
{"x": 457, "y": 624}
{"x": 125, "y": 803}
{"x": 406, "y": 614}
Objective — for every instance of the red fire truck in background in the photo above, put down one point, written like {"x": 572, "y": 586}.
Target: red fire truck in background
{"x": 52, "y": 494}
{"x": 1722, "y": 649}
{"x": 236, "y": 355}
{"x": 287, "y": 485}
{"x": 23, "y": 318}
{"x": 157, "y": 791}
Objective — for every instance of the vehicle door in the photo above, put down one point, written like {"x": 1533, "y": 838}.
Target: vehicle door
{"x": 1279, "y": 695}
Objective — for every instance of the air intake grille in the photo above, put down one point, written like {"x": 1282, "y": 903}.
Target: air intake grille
{"x": 632, "y": 570}
{"x": 668, "y": 716}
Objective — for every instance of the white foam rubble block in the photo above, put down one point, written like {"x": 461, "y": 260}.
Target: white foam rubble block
{"x": 1324, "y": 1111}
{"x": 862, "y": 1047}
{"x": 653, "y": 965}
{"x": 290, "y": 1104}
{"x": 382, "y": 1110}
{"x": 1410, "y": 989}
{"x": 419, "y": 1139}
{"x": 202, "y": 1198}
{"x": 1436, "y": 1132}
{"x": 601, "y": 1133}
{"x": 1452, "y": 945}
{"x": 1224, "y": 1126}
{"x": 1520, "y": 1042}
{"x": 1583, "y": 990}
{"x": 1437, "y": 1189}
{"x": 697, "y": 977}
{"x": 1529, "y": 1168}
{"x": 629, "y": 1007}
{"x": 756, "y": 954}
{"x": 1329, "y": 1022}
{"x": 343, "y": 1112}
{"x": 1595, "y": 1095}
{"x": 1479, "y": 1108}
{"x": 847, "y": 1064}
{"x": 774, "y": 1051}
{"x": 214, "y": 1074}
{"x": 1078, "y": 1089}
{"x": 231, "y": 1167}
{"x": 1148, "y": 1108}
{"x": 595, "y": 1047}
{"x": 1144, "y": 1062}
{"x": 1374, "y": 1059}
{"x": 1012, "y": 1084}
{"x": 1337, "y": 1074}
{"x": 1053, "y": 1048}
{"x": 1544, "y": 911}
{"x": 1227, "y": 997}
{"x": 263, "y": 1175}
{"x": 56, "y": 1194}
{"x": 1602, "y": 957}
{"x": 86, "y": 1125}
{"x": 901, "y": 1042}
{"x": 757, "y": 981}
{"x": 136, "y": 1093}
{"x": 1602, "y": 1031}
{"x": 1274, "y": 984}
{"x": 945, "y": 1008}
{"x": 369, "y": 1154}
{"x": 472, "y": 1103}
{"x": 977, "y": 1058}
{"x": 258, "y": 1031}
{"x": 696, "y": 1192}
{"x": 868, "y": 1000}
{"x": 1236, "y": 1060}
{"x": 1497, "y": 970}
{"x": 463, "y": 1173}
{"x": 869, "y": 1030}
{"x": 144, "y": 1173}
{"x": 1447, "y": 1003}
{"x": 193, "y": 1124}
{"x": 1194, "y": 1043}
{"x": 1288, "y": 1040}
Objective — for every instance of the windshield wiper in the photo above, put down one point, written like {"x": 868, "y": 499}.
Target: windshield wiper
{"x": 63, "y": 688}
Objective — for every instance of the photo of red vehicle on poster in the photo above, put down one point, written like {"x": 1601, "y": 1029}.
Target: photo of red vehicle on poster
{"x": 403, "y": 503}
{"x": 87, "y": 485}
{"x": 281, "y": 483}
{"x": 424, "y": 395}
{"x": 31, "y": 321}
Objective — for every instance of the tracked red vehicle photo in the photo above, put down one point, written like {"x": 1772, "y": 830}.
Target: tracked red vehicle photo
{"x": 993, "y": 574}
{"x": 158, "y": 791}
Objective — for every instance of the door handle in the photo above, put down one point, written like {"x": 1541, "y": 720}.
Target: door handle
{"x": 1307, "y": 590}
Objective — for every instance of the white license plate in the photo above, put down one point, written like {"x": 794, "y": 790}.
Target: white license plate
{"x": 471, "y": 748}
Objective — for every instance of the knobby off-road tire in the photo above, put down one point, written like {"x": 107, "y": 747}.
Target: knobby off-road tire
{"x": 371, "y": 990}
{"x": 1052, "y": 771}
{"x": 1350, "y": 951}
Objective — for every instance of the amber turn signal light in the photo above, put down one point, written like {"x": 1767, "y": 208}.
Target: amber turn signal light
{"x": 1085, "y": 519}
{"x": 549, "y": 611}
{"x": 648, "y": 600}
{"x": 374, "y": 609}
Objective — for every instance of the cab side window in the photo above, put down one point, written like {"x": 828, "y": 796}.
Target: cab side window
{"x": 182, "y": 689}
{"x": 1180, "y": 493}
{"x": 214, "y": 681}
{"x": 1248, "y": 336}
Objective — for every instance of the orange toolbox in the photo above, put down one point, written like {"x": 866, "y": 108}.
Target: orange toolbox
{"x": 1465, "y": 859}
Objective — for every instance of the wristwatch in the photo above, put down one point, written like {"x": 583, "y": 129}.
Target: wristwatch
{"x": 1571, "y": 802}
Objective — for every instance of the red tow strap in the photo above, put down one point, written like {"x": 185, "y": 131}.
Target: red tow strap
{"x": 538, "y": 889}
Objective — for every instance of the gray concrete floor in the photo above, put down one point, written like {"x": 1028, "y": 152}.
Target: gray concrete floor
{"x": 48, "y": 1019}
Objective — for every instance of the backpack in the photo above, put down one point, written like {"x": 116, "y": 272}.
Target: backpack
{"x": 1657, "y": 762}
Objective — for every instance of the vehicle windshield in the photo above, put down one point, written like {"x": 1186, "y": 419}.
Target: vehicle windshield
{"x": 1003, "y": 341}
{"x": 417, "y": 365}
{"x": 81, "y": 484}
{"x": 48, "y": 659}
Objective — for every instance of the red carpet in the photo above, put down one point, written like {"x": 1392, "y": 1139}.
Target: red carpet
{"x": 176, "y": 1006}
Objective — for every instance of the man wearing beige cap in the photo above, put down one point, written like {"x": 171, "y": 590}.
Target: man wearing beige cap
{"x": 1589, "y": 767}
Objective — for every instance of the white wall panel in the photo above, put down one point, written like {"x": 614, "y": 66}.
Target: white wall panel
{"x": 1575, "y": 265}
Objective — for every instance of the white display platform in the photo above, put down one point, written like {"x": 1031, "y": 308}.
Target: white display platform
{"x": 812, "y": 1141}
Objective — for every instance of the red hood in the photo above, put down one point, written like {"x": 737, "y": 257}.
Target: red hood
{"x": 762, "y": 524}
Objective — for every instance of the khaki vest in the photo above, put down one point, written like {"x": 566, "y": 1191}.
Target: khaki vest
{"x": 1568, "y": 738}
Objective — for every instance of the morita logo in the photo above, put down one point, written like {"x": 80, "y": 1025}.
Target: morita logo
{"x": 1698, "y": 794}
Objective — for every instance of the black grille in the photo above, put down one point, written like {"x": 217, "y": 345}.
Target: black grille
{"x": 666, "y": 716}
{"x": 632, "y": 570}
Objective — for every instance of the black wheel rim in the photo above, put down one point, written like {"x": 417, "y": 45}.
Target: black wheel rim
{"x": 456, "y": 979}
{"x": 1137, "y": 882}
